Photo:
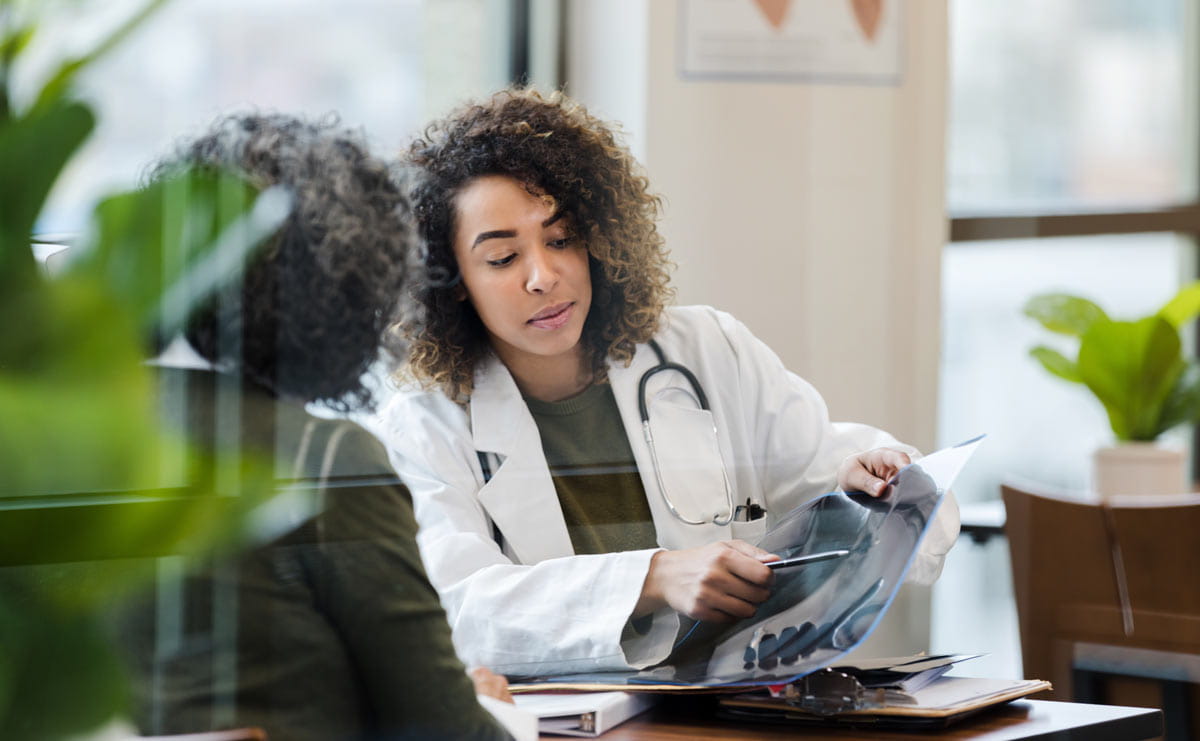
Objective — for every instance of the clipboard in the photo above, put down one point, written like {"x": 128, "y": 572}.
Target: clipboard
{"x": 835, "y": 698}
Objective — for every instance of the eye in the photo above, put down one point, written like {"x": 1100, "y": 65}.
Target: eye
{"x": 562, "y": 243}
{"x": 501, "y": 262}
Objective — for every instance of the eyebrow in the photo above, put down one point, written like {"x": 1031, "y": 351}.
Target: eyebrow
{"x": 509, "y": 233}
{"x": 498, "y": 234}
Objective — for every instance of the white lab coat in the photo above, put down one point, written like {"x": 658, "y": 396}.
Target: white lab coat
{"x": 532, "y": 606}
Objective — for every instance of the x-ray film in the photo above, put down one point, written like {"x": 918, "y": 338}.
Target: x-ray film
{"x": 820, "y": 611}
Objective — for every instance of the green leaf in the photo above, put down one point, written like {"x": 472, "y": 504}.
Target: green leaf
{"x": 58, "y": 85}
{"x": 1056, "y": 363}
{"x": 213, "y": 267}
{"x": 1131, "y": 367}
{"x": 84, "y": 397}
{"x": 92, "y": 459}
{"x": 59, "y": 677}
{"x": 33, "y": 149}
{"x": 1183, "y": 403}
{"x": 14, "y": 42}
{"x": 1184, "y": 306}
{"x": 1058, "y": 312}
{"x": 167, "y": 246}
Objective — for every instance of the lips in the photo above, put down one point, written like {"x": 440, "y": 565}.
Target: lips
{"x": 553, "y": 317}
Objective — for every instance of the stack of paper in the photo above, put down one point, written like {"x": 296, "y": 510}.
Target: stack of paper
{"x": 903, "y": 676}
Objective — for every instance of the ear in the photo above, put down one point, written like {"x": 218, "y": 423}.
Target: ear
{"x": 460, "y": 293}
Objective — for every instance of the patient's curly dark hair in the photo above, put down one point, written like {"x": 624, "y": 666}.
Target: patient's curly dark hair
{"x": 318, "y": 295}
{"x": 552, "y": 145}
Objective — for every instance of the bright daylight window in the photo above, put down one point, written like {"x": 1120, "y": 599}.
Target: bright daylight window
{"x": 386, "y": 66}
{"x": 1062, "y": 107}
{"x": 1071, "y": 167}
{"x": 139, "y": 569}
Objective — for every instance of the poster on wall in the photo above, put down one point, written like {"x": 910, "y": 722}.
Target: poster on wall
{"x": 826, "y": 41}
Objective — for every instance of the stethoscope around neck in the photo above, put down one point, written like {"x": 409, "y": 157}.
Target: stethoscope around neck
{"x": 644, "y": 413}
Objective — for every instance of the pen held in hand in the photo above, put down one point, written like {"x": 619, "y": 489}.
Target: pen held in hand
{"x": 788, "y": 563}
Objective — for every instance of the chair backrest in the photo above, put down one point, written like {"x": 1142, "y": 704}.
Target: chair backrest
{"x": 1121, "y": 572}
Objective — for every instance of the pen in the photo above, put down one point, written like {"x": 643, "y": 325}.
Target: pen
{"x": 788, "y": 563}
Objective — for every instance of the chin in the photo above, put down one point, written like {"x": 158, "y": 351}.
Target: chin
{"x": 555, "y": 346}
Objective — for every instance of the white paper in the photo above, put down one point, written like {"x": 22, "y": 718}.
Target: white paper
{"x": 836, "y": 41}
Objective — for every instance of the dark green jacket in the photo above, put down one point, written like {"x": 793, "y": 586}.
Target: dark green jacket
{"x": 329, "y": 631}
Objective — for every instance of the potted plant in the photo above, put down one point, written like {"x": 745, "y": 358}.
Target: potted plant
{"x": 1137, "y": 370}
{"x": 81, "y": 445}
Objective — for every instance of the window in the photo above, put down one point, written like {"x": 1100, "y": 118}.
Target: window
{"x": 1072, "y": 167}
{"x": 96, "y": 574}
{"x": 386, "y": 66}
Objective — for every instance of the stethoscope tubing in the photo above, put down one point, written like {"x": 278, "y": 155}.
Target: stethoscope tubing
{"x": 644, "y": 413}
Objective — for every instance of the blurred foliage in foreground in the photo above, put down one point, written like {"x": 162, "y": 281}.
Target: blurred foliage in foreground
{"x": 88, "y": 475}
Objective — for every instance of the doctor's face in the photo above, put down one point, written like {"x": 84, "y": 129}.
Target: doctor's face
{"x": 523, "y": 270}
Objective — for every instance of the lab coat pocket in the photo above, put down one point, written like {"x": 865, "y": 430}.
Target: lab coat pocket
{"x": 687, "y": 460}
{"x": 751, "y": 531}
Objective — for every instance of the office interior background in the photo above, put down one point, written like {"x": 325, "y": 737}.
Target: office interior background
{"x": 881, "y": 237}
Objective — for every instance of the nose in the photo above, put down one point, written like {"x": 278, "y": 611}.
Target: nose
{"x": 543, "y": 273}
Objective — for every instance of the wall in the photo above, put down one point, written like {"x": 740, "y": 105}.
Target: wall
{"x": 827, "y": 200}
{"x": 812, "y": 212}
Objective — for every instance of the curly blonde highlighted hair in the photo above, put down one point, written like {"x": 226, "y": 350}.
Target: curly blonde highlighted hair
{"x": 552, "y": 145}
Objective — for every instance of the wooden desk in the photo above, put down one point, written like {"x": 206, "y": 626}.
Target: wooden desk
{"x": 691, "y": 718}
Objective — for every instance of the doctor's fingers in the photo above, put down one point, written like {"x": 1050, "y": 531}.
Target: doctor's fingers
{"x": 737, "y": 559}
{"x": 869, "y": 472}
{"x": 718, "y": 607}
{"x": 730, "y": 584}
{"x": 754, "y": 552}
{"x": 741, "y": 579}
{"x": 885, "y": 462}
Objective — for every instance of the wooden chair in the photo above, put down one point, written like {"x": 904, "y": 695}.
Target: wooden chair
{"x": 1108, "y": 590}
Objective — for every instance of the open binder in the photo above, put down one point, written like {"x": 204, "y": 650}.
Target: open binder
{"x": 586, "y": 714}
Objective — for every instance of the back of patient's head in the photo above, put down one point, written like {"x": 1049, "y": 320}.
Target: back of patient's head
{"x": 317, "y": 296}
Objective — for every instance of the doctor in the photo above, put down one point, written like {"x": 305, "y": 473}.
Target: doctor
{"x": 587, "y": 464}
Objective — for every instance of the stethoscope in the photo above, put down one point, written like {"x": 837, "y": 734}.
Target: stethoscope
{"x": 702, "y": 400}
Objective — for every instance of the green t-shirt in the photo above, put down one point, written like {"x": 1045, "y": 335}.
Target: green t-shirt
{"x": 594, "y": 472}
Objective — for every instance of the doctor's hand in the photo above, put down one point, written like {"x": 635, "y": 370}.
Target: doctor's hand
{"x": 870, "y": 471}
{"x": 719, "y": 582}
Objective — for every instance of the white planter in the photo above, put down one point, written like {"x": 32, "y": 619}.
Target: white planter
{"x": 1139, "y": 468}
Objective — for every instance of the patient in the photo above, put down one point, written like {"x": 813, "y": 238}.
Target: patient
{"x": 331, "y": 630}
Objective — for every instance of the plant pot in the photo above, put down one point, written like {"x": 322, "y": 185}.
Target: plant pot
{"x": 1139, "y": 468}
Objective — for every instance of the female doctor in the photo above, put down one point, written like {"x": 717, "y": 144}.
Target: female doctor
{"x": 587, "y": 464}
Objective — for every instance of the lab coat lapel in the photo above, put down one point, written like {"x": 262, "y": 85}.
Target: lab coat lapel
{"x": 672, "y": 533}
{"x": 520, "y": 498}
